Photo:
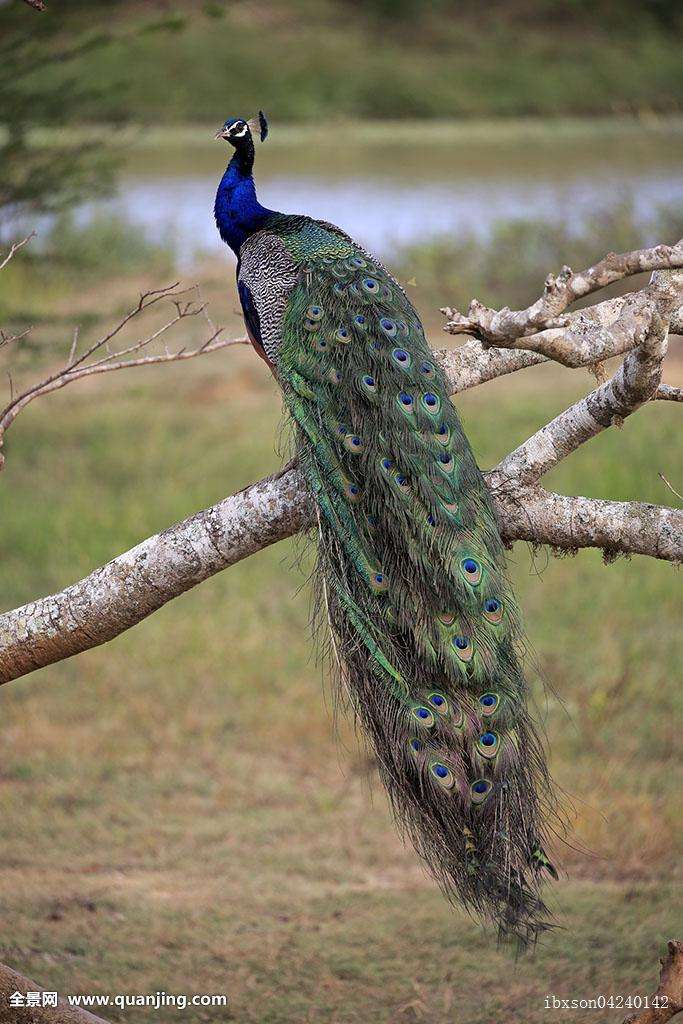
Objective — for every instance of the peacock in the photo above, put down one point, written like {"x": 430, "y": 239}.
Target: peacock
{"x": 410, "y": 572}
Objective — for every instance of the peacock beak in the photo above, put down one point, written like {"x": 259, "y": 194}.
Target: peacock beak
{"x": 222, "y": 133}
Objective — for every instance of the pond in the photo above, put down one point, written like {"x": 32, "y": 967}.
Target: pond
{"x": 392, "y": 185}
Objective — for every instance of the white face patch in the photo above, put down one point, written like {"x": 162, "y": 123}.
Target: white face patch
{"x": 237, "y": 133}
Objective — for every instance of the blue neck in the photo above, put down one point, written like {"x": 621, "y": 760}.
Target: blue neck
{"x": 237, "y": 211}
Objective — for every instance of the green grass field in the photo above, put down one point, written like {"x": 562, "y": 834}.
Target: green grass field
{"x": 176, "y": 812}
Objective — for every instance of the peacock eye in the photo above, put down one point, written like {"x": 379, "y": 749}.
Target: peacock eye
{"x": 479, "y": 790}
{"x": 462, "y": 646}
{"x": 388, "y": 326}
{"x": 352, "y": 491}
{"x": 439, "y": 702}
{"x": 423, "y": 716}
{"x": 353, "y": 443}
{"x": 443, "y": 435}
{"x": 368, "y": 385}
{"x": 487, "y": 744}
{"x": 443, "y": 775}
{"x": 471, "y": 571}
{"x": 431, "y": 403}
{"x": 400, "y": 356}
{"x": 493, "y": 610}
{"x": 377, "y": 580}
{"x": 489, "y": 703}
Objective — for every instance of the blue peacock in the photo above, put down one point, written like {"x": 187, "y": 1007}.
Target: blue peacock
{"x": 410, "y": 571}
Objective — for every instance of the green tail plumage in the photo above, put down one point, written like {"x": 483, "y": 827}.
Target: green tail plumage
{"x": 411, "y": 576}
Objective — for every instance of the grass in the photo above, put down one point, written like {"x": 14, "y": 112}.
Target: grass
{"x": 176, "y": 811}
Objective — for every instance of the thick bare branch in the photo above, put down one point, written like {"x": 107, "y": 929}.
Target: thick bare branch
{"x": 570, "y": 523}
{"x": 503, "y": 327}
{"x": 667, "y": 1001}
{"x": 11, "y": 982}
{"x": 667, "y": 393}
{"x": 137, "y": 583}
{"x": 635, "y": 382}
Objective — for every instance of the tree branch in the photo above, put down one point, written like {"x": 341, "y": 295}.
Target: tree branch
{"x": 503, "y": 327}
{"x": 137, "y": 583}
{"x": 15, "y": 247}
{"x": 80, "y": 366}
{"x": 635, "y": 382}
{"x": 11, "y": 983}
{"x": 668, "y": 998}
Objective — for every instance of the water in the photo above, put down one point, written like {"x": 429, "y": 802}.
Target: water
{"x": 388, "y": 192}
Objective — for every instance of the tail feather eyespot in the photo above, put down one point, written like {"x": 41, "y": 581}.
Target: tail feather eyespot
{"x": 423, "y": 716}
{"x": 471, "y": 570}
{"x": 493, "y": 610}
{"x": 431, "y": 403}
{"x": 370, "y": 286}
{"x": 462, "y": 645}
{"x": 488, "y": 744}
{"x": 378, "y": 581}
{"x": 480, "y": 790}
{"x": 402, "y": 358}
{"x": 439, "y": 702}
{"x": 442, "y": 774}
{"x": 353, "y": 443}
{"x": 489, "y": 703}
{"x": 406, "y": 402}
{"x": 445, "y": 463}
{"x": 388, "y": 326}
{"x": 442, "y": 435}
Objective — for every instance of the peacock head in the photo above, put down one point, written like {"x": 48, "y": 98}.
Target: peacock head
{"x": 238, "y": 131}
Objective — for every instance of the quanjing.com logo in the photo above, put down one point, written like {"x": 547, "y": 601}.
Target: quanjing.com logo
{"x": 152, "y": 1000}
